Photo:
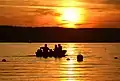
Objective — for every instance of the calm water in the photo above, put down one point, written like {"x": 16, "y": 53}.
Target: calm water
{"x": 98, "y": 65}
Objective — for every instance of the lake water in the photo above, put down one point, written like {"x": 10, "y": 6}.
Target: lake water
{"x": 98, "y": 64}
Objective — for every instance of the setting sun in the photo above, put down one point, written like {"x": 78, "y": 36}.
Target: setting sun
{"x": 71, "y": 16}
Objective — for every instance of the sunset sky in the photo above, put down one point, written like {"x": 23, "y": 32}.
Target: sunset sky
{"x": 62, "y": 13}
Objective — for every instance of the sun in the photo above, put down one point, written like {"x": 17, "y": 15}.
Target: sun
{"x": 71, "y": 16}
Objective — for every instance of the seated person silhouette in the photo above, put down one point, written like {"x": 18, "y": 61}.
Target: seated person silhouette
{"x": 55, "y": 51}
{"x": 59, "y": 47}
{"x": 56, "y": 48}
{"x": 45, "y": 48}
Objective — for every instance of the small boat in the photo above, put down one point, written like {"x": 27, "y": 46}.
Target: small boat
{"x": 68, "y": 59}
{"x": 79, "y": 57}
{"x": 55, "y": 54}
{"x": 3, "y": 60}
{"x": 115, "y": 57}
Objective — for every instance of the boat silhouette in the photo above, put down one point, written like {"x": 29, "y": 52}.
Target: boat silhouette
{"x": 79, "y": 58}
{"x": 56, "y": 54}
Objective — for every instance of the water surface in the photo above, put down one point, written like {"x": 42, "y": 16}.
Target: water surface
{"x": 98, "y": 64}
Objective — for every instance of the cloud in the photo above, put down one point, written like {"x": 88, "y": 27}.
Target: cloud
{"x": 51, "y": 12}
{"x": 112, "y": 2}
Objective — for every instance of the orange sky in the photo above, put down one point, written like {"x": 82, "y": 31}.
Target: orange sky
{"x": 65, "y": 13}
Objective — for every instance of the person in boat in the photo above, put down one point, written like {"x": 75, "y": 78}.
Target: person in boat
{"x": 45, "y": 51}
{"x": 50, "y": 52}
{"x": 55, "y": 51}
{"x": 56, "y": 48}
{"x": 38, "y": 52}
{"x": 45, "y": 48}
{"x": 59, "y": 47}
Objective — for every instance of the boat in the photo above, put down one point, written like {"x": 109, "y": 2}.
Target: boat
{"x": 3, "y": 60}
{"x": 68, "y": 59}
{"x": 56, "y": 54}
{"x": 79, "y": 58}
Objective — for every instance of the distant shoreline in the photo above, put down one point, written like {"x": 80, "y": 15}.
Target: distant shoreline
{"x": 58, "y": 35}
{"x": 59, "y": 42}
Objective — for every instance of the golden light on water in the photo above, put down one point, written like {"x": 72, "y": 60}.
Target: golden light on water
{"x": 70, "y": 48}
{"x": 70, "y": 65}
{"x": 69, "y": 71}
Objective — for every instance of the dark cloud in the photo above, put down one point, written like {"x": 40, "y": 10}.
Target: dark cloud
{"x": 101, "y": 1}
{"x": 112, "y": 2}
{"x": 47, "y": 12}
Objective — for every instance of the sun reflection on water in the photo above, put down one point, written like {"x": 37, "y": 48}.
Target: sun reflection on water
{"x": 69, "y": 71}
{"x": 70, "y": 64}
{"x": 70, "y": 48}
